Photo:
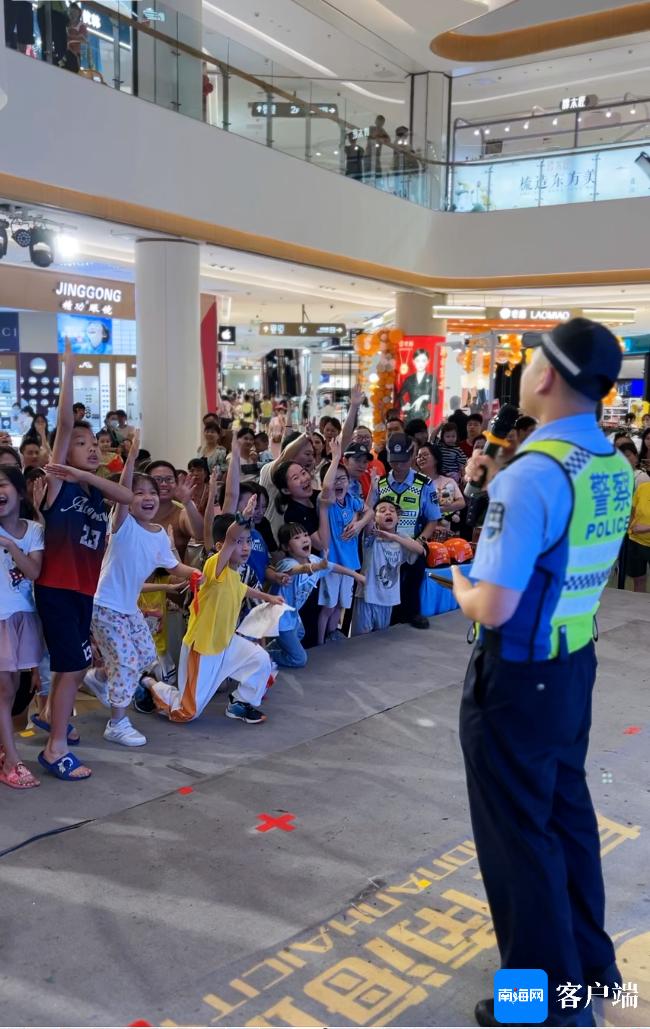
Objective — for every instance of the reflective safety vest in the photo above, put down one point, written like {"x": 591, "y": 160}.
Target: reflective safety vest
{"x": 411, "y": 520}
{"x": 555, "y": 615}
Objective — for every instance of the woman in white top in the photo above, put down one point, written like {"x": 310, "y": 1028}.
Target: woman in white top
{"x": 21, "y": 642}
{"x": 450, "y": 498}
{"x": 136, "y": 548}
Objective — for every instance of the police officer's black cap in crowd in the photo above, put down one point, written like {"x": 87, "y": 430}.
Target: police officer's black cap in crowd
{"x": 586, "y": 354}
{"x": 357, "y": 450}
{"x": 399, "y": 447}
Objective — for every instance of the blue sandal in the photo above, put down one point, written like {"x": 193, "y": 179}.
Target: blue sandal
{"x": 63, "y": 767}
{"x": 40, "y": 723}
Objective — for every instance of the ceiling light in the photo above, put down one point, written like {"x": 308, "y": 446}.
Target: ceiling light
{"x": 554, "y": 121}
{"x": 66, "y": 246}
{"x": 336, "y": 153}
{"x": 579, "y": 118}
{"x": 608, "y": 114}
{"x": 318, "y": 153}
{"x": 477, "y": 132}
{"x": 632, "y": 110}
{"x": 526, "y": 124}
{"x": 41, "y": 250}
{"x": 486, "y": 131}
{"x": 507, "y": 128}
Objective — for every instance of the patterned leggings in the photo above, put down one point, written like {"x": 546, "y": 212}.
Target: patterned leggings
{"x": 127, "y": 648}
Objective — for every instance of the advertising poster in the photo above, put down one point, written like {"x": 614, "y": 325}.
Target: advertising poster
{"x": 87, "y": 335}
{"x": 418, "y": 381}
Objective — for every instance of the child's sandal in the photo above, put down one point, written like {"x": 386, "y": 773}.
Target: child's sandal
{"x": 19, "y": 777}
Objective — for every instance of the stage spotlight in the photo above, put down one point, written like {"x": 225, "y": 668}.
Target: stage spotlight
{"x": 41, "y": 250}
{"x": 21, "y": 234}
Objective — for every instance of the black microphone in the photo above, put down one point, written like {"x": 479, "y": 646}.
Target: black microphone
{"x": 496, "y": 435}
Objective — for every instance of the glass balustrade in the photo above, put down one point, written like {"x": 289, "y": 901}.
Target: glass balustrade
{"x": 392, "y": 135}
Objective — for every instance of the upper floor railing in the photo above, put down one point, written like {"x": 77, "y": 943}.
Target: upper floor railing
{"x": 161, "y": 57}
{"x": 577, "y": 155}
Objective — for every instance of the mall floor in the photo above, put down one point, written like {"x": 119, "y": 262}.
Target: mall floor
{"x": 149, "y": 893}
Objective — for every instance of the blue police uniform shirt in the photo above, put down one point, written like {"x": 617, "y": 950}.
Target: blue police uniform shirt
{"x": 344, "y": 552}
{"x": 530, "y": 505}
{"x": 429, "y": 507}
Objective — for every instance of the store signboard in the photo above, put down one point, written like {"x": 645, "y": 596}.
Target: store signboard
{"x": 531, "y": 314}
{"x": 262, "y": 109}
{"x": 302, "y": 329}
{"x": 578, "y": 103}
{"x": 8, "y": 332}
{"x": 227, "y": 334}
{"x": 88, "y": 297}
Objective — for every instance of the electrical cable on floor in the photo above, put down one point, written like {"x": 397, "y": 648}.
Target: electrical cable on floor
{"x": 44, "y": 835}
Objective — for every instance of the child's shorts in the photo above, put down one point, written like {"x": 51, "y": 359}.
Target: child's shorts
{"x": 335, "y": 590}
{"x": 21, "y": 642}
{"x": 127, "y": 649}
{"x": 65, "y": 616}
{"x": 370, "y": 617}
{"x": 638, "y": 559}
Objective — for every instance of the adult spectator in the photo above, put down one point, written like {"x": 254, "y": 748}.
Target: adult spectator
{"x": 415, "y": 496}
{"x": 429, "y": 462}
{"x": 124, "y": 430}
{"x": 362, "y": 434}
{"x": 377, "y": 138}
{"x": 30, "y": 452}
{"x": 354, "y": 155}
{"x": 417, "y": 431}
{"x": 177, "y": 508}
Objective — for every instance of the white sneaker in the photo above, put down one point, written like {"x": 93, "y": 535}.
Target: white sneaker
{"x": 97, "y": 687}
{"x": 123, "y": 732}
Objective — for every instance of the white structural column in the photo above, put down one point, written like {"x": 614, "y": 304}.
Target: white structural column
{"x": 168, "y": 321}
{"x": 414, "y": 314}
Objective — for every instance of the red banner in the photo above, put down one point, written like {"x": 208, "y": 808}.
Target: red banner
{"x": 419, "y": 378}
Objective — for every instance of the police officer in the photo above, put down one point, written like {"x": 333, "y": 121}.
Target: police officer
{"x": 417, "y": 499}
{"x": 552, "y": 532}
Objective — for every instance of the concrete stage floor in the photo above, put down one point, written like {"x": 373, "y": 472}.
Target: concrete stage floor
{"x": 150, "y": 903}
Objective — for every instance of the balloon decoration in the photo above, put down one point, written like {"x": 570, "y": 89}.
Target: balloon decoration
{"x": 377, "y": 363}
{"x": 611, "y": 398}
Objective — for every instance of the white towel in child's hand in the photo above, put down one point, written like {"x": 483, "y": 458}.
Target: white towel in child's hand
{"x": 263, "y": 620}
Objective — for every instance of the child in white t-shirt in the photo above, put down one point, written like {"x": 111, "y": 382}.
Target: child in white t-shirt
{"x": 384, "y": 551}
{"x": 21, "y": 642}
{"x": 136, "y": 548}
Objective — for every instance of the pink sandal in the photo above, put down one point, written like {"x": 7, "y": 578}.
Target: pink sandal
{"x": 19, "y": 777}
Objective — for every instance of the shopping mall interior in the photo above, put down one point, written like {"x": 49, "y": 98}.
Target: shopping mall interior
{"x": 318, "y": 219}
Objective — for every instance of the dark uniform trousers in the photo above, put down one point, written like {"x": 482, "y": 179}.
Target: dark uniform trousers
{"x": 524, "y": 731}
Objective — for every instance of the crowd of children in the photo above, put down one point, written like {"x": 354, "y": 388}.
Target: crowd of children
{"x": 152, "y": 586}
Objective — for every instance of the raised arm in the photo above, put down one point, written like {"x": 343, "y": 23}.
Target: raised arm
{"x": 322, "y": 540}
{"x": 191, "y": 517}
{"x": 65, "y": 419}
{"x": 209, "y": 514}
{"x": 350, "y": 423}
{"x": 121, "y": 510}
{"x": 292, "y": 450}
{"x": 65, "y": 424}
{"x": 114, "y": 491}
{"x": 231, "y": 536}
{"x": 231, "y": 497}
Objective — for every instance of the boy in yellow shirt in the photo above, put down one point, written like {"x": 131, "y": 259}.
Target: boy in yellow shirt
{"x": 638, "y": 548}
{"x": 212, "y": 651}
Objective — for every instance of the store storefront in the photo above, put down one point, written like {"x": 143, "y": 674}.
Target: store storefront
{"x": 488, "y": 345}
{"x": 43, "y": 312}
